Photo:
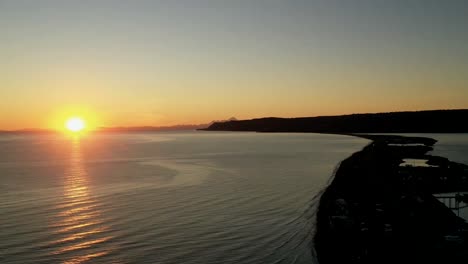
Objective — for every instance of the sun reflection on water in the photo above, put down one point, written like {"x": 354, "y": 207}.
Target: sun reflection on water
{"x": 80, "y": 229}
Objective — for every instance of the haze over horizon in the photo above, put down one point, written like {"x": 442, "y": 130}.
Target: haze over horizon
{"x": 163, "y": 63}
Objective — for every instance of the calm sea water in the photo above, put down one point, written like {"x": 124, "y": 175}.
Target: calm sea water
{"x": 451, "y": 146}
{"x": 197, "y": 197}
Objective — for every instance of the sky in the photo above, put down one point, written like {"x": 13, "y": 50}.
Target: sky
{"x": 158, "y": 63}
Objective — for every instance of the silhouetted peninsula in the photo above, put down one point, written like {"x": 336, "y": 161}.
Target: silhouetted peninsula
{"x": 434, "y": 121}
{"x": 380, "y": 209}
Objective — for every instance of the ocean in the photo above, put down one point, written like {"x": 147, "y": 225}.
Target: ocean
{"x": 178, "y": 197}
{"x": 170, "y": 197}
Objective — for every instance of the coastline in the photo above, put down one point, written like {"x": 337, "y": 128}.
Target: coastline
{"x": 377, "y": 209}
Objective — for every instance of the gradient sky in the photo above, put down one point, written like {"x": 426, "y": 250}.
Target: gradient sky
{"x": 126, "y": 63}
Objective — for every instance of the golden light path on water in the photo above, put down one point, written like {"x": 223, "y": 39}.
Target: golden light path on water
{"x": 80, "y": 224}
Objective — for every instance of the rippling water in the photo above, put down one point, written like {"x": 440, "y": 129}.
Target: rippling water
{"x": 197, "y": 197}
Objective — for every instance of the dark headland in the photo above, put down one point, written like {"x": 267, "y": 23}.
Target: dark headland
{"x": 434, "y": 121}
{"x": 377, "y": 208}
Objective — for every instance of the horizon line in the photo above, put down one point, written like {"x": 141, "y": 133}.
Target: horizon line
{"x": 198, "y": 126}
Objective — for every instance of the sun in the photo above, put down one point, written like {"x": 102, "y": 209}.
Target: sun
{"x": 75, "y": 124}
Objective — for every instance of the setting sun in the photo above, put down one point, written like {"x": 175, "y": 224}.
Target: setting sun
{"x": 75, "y": 124}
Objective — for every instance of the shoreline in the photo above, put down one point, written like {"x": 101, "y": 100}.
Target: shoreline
{"x": 376, "y": 210}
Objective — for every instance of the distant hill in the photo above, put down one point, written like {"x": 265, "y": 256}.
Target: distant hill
{"x": 115, "y": 129}
{"x": 433, "y": 121}
{"x": 150, "y": 128}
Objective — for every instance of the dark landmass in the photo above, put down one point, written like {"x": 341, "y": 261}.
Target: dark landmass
{"x": 150, "y": 128}
{"x": 28, "y": 131}
{"x": 114, "y": 129}
{"x": 162, "y": 128}
{"x": 434, "y": 121}
{"x": 379, "y": 210}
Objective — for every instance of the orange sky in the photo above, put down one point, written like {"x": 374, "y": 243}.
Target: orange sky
{"x": 159, "y": 64}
